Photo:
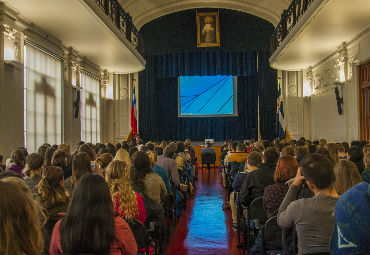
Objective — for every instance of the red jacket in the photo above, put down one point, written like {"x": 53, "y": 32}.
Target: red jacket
{"x": 126, "y": 243}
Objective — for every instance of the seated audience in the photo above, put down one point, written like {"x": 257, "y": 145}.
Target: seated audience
{"x": 346, "y": 175}
{"x": 286, "y": 168}
{"x": 182, "y": 158}
{"x": 90, "y": 152}
{"x": 169, "y": 164}
{"x": 253, "y": 161}
{"x": 51, "y": 195}
{"x": 89, "y": 226}
{"x": 300, "y": 152}
{"x": 18, "y": 160}
{"x": 355, "y": 155}
{"x": 341, "y": 152}
{"x": 312, "y": 217}
{"x": 59, "y": 159}
{"x": 288, "y": 151}
{"x": 126, "y": 203}
{"x": 145, "y": 180}
{"x": 159, "y": 170}
{"x": 20, "y": 227}
{"x": 33, "y": 170}
{"x": 366, "y": 173}
{"x": 102, "y": 162}
{"x": 124, "y": 156}
{"x": 366, "y": 149}
{"x": 49, "y": 155}
{"x": 352, "y": 224}
{"x": 81, "y": 165}
{"x": 256, "y": 181}
{"x": 240, "y": 155}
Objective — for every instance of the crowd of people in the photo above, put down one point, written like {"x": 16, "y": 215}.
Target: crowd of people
{"x": 56, "y": 201}
{"x": 316, "y": 190}
{"x": 94, "y": 200}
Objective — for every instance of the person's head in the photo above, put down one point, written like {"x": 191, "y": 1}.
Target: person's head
{"x": 18, "y": 157}
{"x": 152, "y": 156}
{"x": 1, "y": 160}
{"x": 123, "y": 155}
{"x": 347, "y": 176}
{"x": 42, "y": 150}
{"x": 332, "y": 149}
{"x": 81, "y": 165}
{"x": 346, "y": 146}
{"x": 271, "y": 156}
{"x": 66, "y": 148}
{"x": 86, "y": 148}
{"x": 366, "y": 149}
{"x": 300, "y": 152}
{"x": 142, "y": 162}
{"x": 318, "y": 172}
{"x": 49, "y": 155}
{"x": 159, "y": 151}
{"x": 207, "y": 144}
{"x": 300, "y": 143}
{"x": 312, "y": 148}
{"x": 355, "y": 154}
{"x": 125, "y": 145}
{"x": 240, "y": 147}
{"x": 118, "y": 146}
{"x": 187, "y": 144}
{"x": 137, "y": 139}
{"x": 51, "y": 188}
{"x": 367, "y": 160}
{"x": 180, "y": 147}
{"x": 20, "y": 228}
{"x": 322, "y": 143}
{"x": 163, "y": 144}
{"x": 341, "y": 149}
{"x": 34, "y": 164}
{"x": 59, "y": 159}
{"x": 118, "y": 178}
{"x": 88, "y": 226}
{"x": 254, "y": 158}
{"x": 286, "y": 169}
{"x": 104, "y": 160}
{"x": 259, "y": 146}
{"x": 169, "y": 150}
{"x": 288, "y": 151}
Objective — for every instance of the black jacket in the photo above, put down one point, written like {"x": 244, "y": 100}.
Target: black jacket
{"x": 256, "y": 182}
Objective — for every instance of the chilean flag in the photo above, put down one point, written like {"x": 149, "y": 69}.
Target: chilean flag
{"x": 133, "y": 114}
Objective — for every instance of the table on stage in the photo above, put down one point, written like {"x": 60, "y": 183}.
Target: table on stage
{"x": 198, "y": 150}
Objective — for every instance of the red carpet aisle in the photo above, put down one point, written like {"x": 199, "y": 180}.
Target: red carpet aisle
{"x": 204, "y": 228}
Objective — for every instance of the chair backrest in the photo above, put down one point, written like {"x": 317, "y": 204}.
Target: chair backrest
{"x": 208, "y": 157}
{"x": 139, "y": 232}
{"x": 273, "y": 233}
{"x": 256, "y": 211}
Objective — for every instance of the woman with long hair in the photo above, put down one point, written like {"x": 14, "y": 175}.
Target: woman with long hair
{"x": 89, "y": 225}
{"x": 81, "y": 165}
{"x": 33, "y": 170}
{"x": 347, "y": 176}
{"x": 20, "y": 228}
{"x": 60, "y": 159}
{"x": 49, "y": 155}
{"x": 145, "y": 180}
{"x": 102, "y": 162}
{"x": 124, "y": 156}
{"x": 126, "y": 203}
{"x": 333, "y": 151}
{"x": 51, "y": 195}
{"x": 18, "y": 160}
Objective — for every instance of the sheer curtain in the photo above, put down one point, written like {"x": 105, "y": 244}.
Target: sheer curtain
{"x": 90, "y": 108}
{"x": 42, "y": 98}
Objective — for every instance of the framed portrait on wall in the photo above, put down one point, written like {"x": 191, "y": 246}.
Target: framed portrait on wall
{"x": 208, "y": 29}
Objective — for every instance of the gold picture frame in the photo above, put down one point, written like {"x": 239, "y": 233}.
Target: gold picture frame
{"x": 208, "y": 29}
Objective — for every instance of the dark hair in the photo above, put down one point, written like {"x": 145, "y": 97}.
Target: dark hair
{"x": 324, "y": 152}
{"x": 118, "y": 146}
{"x": 312, "y": 149}
{"x": 318, "y": 170}
{"x": 169, "y": 150}
{"x": 132, "y": 150}
{"x": 18, "y": 157}
{"x": 355, "y": 153}
{"x": 241, "y": 147}
{"x": 59, "y": 159}
{"x": 42, "y": 150}
{"x": 1, "y": 157}
{"x": 288, "y": 151}
{"x": 271, "y": 156}
{"x": 48, "y": 155}
{"x": 300, "y": 152}
{"x": 346, "y": 146}
{"x": 88, "y": 226}
{"x": 142, "y": 162}
{"x": 34, "y": 161}
{"x": 300, "y": 143}
{"x": 111, "y": 149}
{"x": 150, "y": 146}
{"x": 233, "y": 145}
{"x": 254, "y": 158}
{"x": 125, "y": 146}
{"x": 81, "y": 165}
{"x": 159, "y": 151}
{"x": 86, "y": 148}
{"x": 180, "y": 147}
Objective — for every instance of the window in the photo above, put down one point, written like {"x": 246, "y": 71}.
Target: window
{"x": 90, "y": 108}
{"x": 42, "y": 98}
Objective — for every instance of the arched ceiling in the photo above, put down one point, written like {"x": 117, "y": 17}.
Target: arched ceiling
{"x": 143, "y": 11}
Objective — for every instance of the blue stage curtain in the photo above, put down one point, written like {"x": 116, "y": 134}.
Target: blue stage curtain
{"x": 158, "y": 96}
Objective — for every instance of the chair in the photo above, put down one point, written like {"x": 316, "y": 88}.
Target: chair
{"x": 272, "y": 235}
{"x": 140, "y": 233}
{"x": 208, "y": 159}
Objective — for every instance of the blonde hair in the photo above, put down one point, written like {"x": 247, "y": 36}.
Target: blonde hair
{"x": 347, "y": 176}
{"x": 124, "y": 156}
{"x": 152, "y": 156}
{"x": 64, "y": 147}
{"x": 20, "y": 228}
{"x": 118, "y": 178}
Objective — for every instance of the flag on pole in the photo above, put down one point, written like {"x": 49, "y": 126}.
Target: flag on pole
{"x": 133, "y": 114}
{"x": 280, "y": 125}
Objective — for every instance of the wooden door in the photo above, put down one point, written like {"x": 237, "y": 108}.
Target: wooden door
{"x": 364, "y": 102}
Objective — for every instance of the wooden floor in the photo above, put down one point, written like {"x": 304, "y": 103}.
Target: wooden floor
{"x": 204, "y": 228}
